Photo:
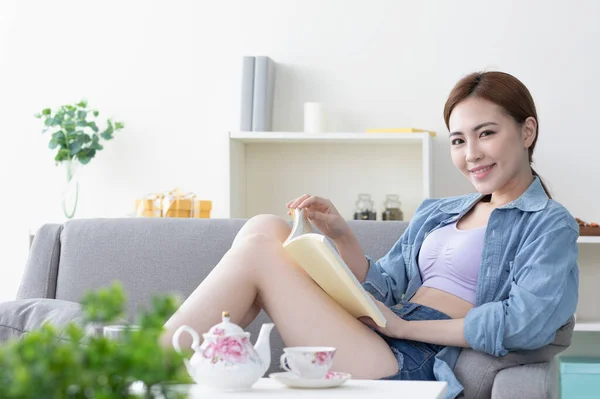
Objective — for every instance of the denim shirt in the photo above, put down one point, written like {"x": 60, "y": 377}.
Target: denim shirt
{"x": 528, "y": 278}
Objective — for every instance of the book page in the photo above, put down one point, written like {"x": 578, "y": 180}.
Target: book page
{"x": 326, "y": 267}
{"x": 301, "y": 224}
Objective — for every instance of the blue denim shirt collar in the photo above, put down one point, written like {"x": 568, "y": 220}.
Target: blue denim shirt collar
{"x": 532, "y": 200}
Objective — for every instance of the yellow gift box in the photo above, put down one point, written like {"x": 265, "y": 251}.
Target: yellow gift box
{"x": 149, "y": 206}
{"x": 173, "y": 204}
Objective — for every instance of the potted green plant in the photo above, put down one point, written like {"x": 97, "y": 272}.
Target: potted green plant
{"x": 54, "y": 364}
{"x": 76, "y": 137}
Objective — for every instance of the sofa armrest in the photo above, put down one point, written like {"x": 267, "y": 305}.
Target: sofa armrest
{"x": 477, "y": 371}
{"x": 41, "y": 271}
{"x": 531, "y": 381}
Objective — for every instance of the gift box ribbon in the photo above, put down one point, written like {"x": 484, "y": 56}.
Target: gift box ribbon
{"x": 176, "y": 201}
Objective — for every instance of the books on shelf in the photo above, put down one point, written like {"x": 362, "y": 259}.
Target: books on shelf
{"x": 264, "y": 84}
{"x": 258, "y": 84}
{"x": 247, "y": 93}
{"x": 314, "y": 253}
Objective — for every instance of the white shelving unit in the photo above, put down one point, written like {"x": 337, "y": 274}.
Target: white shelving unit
{"x": 588, "y": 271}
{"x": 587, "y": 325}
{"x": 267, "y": 169}
{"x": 339, "y": 138}
{"x": 589, "y": 240}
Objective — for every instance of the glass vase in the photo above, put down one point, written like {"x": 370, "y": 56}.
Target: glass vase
{"x": 70, "y": 194}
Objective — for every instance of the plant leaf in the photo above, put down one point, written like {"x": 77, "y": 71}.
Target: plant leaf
{"x": 119, "y": 125}
{"x": 85, "y": 155}
{"x": 96, "y": 113}
{"x": 82, "y": 104}
{"x": 46, "y": 111}
{"x": 106, "y": 304}
{"x": 69, "y": 125}
{"x": 71, "y": 135}
{"x": 83, "y": 137}
{"x": 92, "y": 124}
{"x": 63, "y": 155}
{"x": 81, "y": 114}
{"x": 106, "y": 135}
{"x": 95, "y": 143}
{"x": 53, "y": 143}
{"x": 61, "y": 139}
{"x": 59, "y": 117}
{"x": 74, "y": 147}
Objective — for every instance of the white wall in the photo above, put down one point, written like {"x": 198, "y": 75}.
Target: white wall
{"x": 171, "y": 71}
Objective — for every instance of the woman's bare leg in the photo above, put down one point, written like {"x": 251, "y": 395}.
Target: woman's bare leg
{"x": 240, "y": 302}
{"x": 256, "y": 273}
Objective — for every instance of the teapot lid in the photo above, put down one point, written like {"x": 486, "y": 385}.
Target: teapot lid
{"x": 226, "y": 328}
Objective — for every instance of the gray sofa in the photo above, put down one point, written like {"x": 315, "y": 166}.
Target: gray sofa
{"x": 151, "y": 256}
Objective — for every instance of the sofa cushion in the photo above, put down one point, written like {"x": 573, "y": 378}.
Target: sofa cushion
{"x": 39, "y": 279}
{"x": 149, "y": 256}
{"x": 26, "y": 315}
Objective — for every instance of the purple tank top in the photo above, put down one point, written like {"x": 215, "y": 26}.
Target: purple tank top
{"x": 449, "y": 260}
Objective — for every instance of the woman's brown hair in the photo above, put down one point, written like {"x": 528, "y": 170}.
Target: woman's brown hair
{"x": 503, "y": 90}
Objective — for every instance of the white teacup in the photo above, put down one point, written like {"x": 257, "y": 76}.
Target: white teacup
{"x": 308, "y": 361}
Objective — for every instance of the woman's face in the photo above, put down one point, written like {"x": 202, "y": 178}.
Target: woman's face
{"x": 487, "y": 145}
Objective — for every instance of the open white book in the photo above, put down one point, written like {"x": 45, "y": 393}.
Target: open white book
{"x": 314, "y": 253}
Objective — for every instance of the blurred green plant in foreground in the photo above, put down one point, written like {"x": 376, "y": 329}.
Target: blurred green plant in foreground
{"x": 68, "y": 363}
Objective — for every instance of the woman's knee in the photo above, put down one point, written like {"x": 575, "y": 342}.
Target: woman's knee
{"x": 269, "y": 225}
{"x": 259, "y": 245}
{"x": 257, "y": 252}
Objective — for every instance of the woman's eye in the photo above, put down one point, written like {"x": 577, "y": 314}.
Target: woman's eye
{"x": 457, "y": 141}
{"x": 486, "y": 133}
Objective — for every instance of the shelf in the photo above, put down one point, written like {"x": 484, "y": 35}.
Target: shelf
{"x": 589, "y": 240}
{"x": 346, "y": 138}
{"x": 586, "y": 325}
{"x": 267, "y": 169}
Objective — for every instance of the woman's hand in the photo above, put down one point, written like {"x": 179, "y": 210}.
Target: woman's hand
{"x": 322, "y": 214}
{"x": 396, "y": 326}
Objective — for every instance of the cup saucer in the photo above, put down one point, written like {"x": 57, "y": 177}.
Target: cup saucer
{"x": 331, "y": 379}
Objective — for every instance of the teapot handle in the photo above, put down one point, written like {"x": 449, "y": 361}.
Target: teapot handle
{"x": 191, "y": 331}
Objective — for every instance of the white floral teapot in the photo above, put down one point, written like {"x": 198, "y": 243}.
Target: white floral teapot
{"x": 226, "y": 360}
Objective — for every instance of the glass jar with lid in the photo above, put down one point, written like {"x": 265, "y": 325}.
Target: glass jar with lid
{"x": 365, "y": 208}
{"x": 392, "y": 209}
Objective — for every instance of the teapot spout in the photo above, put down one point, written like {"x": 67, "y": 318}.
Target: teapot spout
{"x": 263, "y": 345}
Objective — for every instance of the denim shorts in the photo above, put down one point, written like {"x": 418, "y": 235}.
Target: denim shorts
{"x": 415, "y": 359}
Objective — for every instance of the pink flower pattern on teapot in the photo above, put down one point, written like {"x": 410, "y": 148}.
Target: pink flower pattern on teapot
{"x": 232, "y": 350}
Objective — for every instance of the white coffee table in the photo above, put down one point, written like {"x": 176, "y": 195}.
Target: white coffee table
{"x": 267, "y": 387}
